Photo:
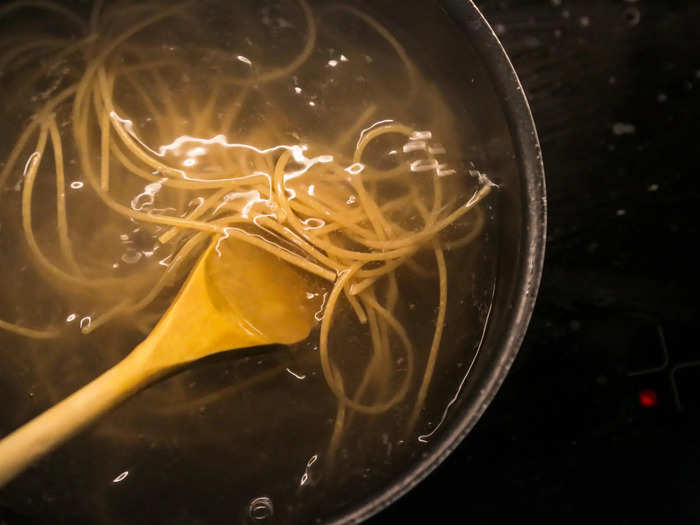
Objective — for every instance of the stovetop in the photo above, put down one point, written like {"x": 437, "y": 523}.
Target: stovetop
{"x": 600, "y": 415}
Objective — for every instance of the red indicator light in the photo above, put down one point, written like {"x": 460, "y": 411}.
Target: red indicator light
{"x": 648, "y": 398}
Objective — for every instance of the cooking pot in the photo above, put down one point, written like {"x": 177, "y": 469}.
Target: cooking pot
{"x": 457, "y": 50}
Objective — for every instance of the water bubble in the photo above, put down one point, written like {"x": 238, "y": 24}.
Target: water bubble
{"x": 307, "y": 478}
{"x": 355, "y": 168}
{"x": 245, "y": 60}
{"x": 261, "y": 508}
{"x": 313, "y": 223}
{"x": 632, "y": 15}
{"x": 121, "y": 477}
{"x": 131, "y": 256}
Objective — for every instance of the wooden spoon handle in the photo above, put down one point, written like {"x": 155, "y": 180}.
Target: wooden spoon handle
{"x": 47, "y": 431}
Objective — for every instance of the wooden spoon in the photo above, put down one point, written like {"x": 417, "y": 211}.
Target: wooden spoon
{"x": 237, "y": 296}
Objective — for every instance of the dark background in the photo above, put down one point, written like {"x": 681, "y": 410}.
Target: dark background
{"x": 615, "y": 91}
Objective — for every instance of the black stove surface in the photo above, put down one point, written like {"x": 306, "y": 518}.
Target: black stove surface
{"x": 600, "y": 415}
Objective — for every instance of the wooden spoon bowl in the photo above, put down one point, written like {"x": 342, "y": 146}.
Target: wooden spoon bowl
{"x": 237, "y": 296}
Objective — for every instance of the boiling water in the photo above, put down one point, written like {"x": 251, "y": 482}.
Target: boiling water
{"x": 241, "y": 437}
